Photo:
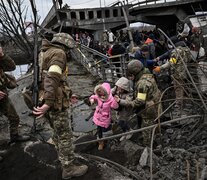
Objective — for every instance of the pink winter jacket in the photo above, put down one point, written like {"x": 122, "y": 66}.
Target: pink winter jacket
{"x": 102, "y": 114}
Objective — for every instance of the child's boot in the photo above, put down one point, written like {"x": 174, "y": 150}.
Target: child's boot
{"x": 122, "y": 138}
{"x": 129, "y": 135}
{"x": 100, "y": 145}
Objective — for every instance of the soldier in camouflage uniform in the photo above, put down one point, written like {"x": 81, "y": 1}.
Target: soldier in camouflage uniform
{"x": 177, "y": 71}
{"x": 6, "y": 106}
{"x": 55, "y": 100}
{"x": 146, "y": 94}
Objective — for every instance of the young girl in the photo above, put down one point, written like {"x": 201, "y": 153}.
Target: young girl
{"x": 123, "y": 91}
{"x": 102, "y": 115}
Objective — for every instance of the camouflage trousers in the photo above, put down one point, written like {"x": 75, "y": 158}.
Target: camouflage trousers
{"x": 62, "y": 136}
{"x": 147, "y": 133}
{"x": 7, "y": 108}
{"x": 148, "y": 117}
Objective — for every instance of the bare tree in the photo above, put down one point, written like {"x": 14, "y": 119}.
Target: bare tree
{"x": 13, "y": 18}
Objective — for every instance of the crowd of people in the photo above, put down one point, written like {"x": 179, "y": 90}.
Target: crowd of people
{"x": 140, "y": 90}
{"x": 138, "y": 93}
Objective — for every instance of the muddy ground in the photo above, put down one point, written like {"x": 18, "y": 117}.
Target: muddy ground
{"x": 179, "y": 150}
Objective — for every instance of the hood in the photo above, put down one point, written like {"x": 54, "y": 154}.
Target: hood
{"x": 45, "y": 44}
{"x": 124, "y": 84}
{"x": 107, "y": 90}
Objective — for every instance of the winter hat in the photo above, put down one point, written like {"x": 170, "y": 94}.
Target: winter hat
{"x": 124, "y": 84}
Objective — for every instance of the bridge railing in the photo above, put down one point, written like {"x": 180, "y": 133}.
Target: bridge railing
{"x": 102, "y": 66}
{"x": 151, "y": 2}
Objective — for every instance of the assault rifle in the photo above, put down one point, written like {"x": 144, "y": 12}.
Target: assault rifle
{"x": 35, "y": 94}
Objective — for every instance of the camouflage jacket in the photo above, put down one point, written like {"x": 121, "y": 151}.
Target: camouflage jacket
{"x": 146, "y": 91}
{"x": 6, "y": 64}
{"x": 53, "y": 62}
{"x": 175, "y": 63}
{"x": 124, "y": 111}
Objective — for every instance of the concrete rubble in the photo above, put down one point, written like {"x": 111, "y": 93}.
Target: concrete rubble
{"x": 179, "y": 151}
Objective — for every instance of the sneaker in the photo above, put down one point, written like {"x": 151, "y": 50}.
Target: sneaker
{"x": 74, "y": 171}
{"x": 122, "y": 138}
{"x": 18, "y": 138}
{"x": 128, "y": 136}
{"x": 100, "y": 145}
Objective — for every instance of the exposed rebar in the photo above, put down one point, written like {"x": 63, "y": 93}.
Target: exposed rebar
{"x": 139, "y": 130}
{"x": 151, "y": 150}
{"x": 121, "y": 168}
{"x": 186, "y": 69}
{"x": 188, "y": 169}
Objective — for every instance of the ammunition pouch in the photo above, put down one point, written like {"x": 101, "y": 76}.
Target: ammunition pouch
{"x": 151, "y": 109}
{"x": 62, "y": 99}
{"x": 67, "y": 92}
{"x": 58, "y": 99}
{"x": 63, "y": 95}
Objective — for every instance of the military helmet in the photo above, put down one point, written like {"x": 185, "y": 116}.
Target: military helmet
{"x": 65, "y": 39}
{"x": 134, "y": 67}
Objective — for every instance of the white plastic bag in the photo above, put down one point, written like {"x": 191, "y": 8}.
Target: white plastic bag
{"x": 201, "y": 52}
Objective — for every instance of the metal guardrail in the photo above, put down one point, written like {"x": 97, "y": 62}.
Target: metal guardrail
{"x": 106, "y": 68}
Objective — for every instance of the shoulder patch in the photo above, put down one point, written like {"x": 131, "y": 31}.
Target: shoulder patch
{"x": 142, "y": 96}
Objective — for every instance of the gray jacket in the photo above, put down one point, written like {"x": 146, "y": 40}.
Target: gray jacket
{"x": 125, "y": 110}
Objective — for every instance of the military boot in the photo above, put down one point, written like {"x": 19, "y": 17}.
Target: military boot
{"x": 18, "y": 138}
{"x": 74, "y": 171}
